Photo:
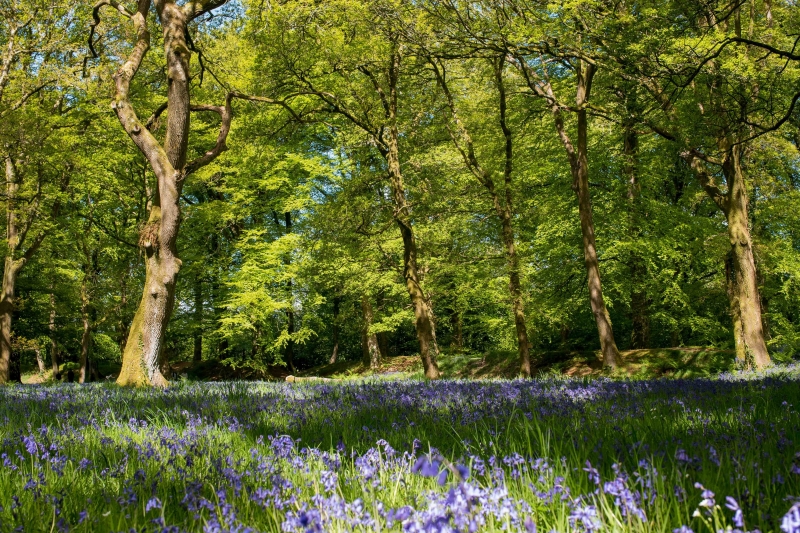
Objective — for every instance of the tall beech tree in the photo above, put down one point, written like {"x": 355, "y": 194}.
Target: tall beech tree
{"x": 712, "y": 109}
{"x": 168, "y": 161}
{"x": 35, "y": 57}
{"x": 502, "y": 197}
{"x": 364, "y": 92}
{"x": 578, "y": 156}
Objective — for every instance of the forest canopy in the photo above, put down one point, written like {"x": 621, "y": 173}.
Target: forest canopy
{"x": 298, "y": 182}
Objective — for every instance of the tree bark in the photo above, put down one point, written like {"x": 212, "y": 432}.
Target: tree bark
{"x": 335, "y": 327}
{"x": 735, "y": 310}
{"x": 744, "y": 267}
{"x": 608, "y": 345}
{"x": 197, "y": 355}
{"x": 369, "y": 341}
{"x": 53, "y": 343}
{"x": 39, "y": 360}
{"x": 10, "y": 270}
{"x": 158, "y": 238}
{"x": 743, "y": 284}
{"x": 423, "y": 314}
{"x": 503, "y": 204}
{"x": 579, "y": 167}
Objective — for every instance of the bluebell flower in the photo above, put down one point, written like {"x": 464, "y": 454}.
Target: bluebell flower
{"x": 152, "y": 503}
{"x": 791, "y": 520}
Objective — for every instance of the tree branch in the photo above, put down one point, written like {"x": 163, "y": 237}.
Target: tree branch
{"x": 226, "y": 115}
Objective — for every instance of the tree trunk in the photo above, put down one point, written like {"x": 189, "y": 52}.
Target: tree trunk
{"x": 744, "y": 267}
{"x": 579, "y": 167}
{"x": 53, "y": 343}
{"x": 735, "y": 309}
{"x": 6, "y": 314}
{"x": 335, "y": 327}
{"x": 39, "y": 360}
{"x": 423, "y": 314}
{"x": 10, "y": 270}
{"x": 580, "y": 174}
{"x": 505, "y": 212}
{"x": 197, "y": 356}
{"x": 369, "y": 341}
{"x": 86, "y": 336}
{"x": 158, "y": 238}
{"x": 640, "y": 319}
{"x": 504, "y": 206}
{"x": 608, "y": 346}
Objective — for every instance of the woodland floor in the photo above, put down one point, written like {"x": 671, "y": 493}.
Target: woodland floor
{"x": 644, "y": 364}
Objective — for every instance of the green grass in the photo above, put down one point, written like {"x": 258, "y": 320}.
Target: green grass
{"x": 211, "y": 442}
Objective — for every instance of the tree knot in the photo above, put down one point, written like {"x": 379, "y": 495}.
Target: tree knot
{"x": 148, "y": 236}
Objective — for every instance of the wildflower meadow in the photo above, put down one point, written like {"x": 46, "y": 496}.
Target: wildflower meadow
{"x": 701, "y": 455}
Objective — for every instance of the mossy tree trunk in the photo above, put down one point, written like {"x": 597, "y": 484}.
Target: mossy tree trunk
{"x": 502, "y": 200}
{"x": 158, "y": 237}
{"x": 744, "y": 297}
{"x": 578, "y": 156}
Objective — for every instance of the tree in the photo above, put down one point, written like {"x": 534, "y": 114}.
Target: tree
{"x": 171, "y": 166}
{"x": 32, "y": 191}
{"x": 364, "y": 92}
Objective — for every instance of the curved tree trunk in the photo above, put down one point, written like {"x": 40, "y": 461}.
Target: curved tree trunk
{"x": 158, "y": 238}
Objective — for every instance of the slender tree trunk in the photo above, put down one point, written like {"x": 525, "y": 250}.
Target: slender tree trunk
{"x": 335, "y": 327}
{"x": 608, "y": 345}
{"x": 86, "y": 336}
{"x": 369, "y": 341}
{"x": 744, "y": 267}
{"x": 505, "y": 212}
{"x": 197, "y": 356}
{"x": 640, "y": 319}
{"x": 503, "y": 205}
{"x": 39, "y": 360}
{"x": 423, "y": 314}
{"x": 53, "y": 343}
{"x": 579, "y": 167}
